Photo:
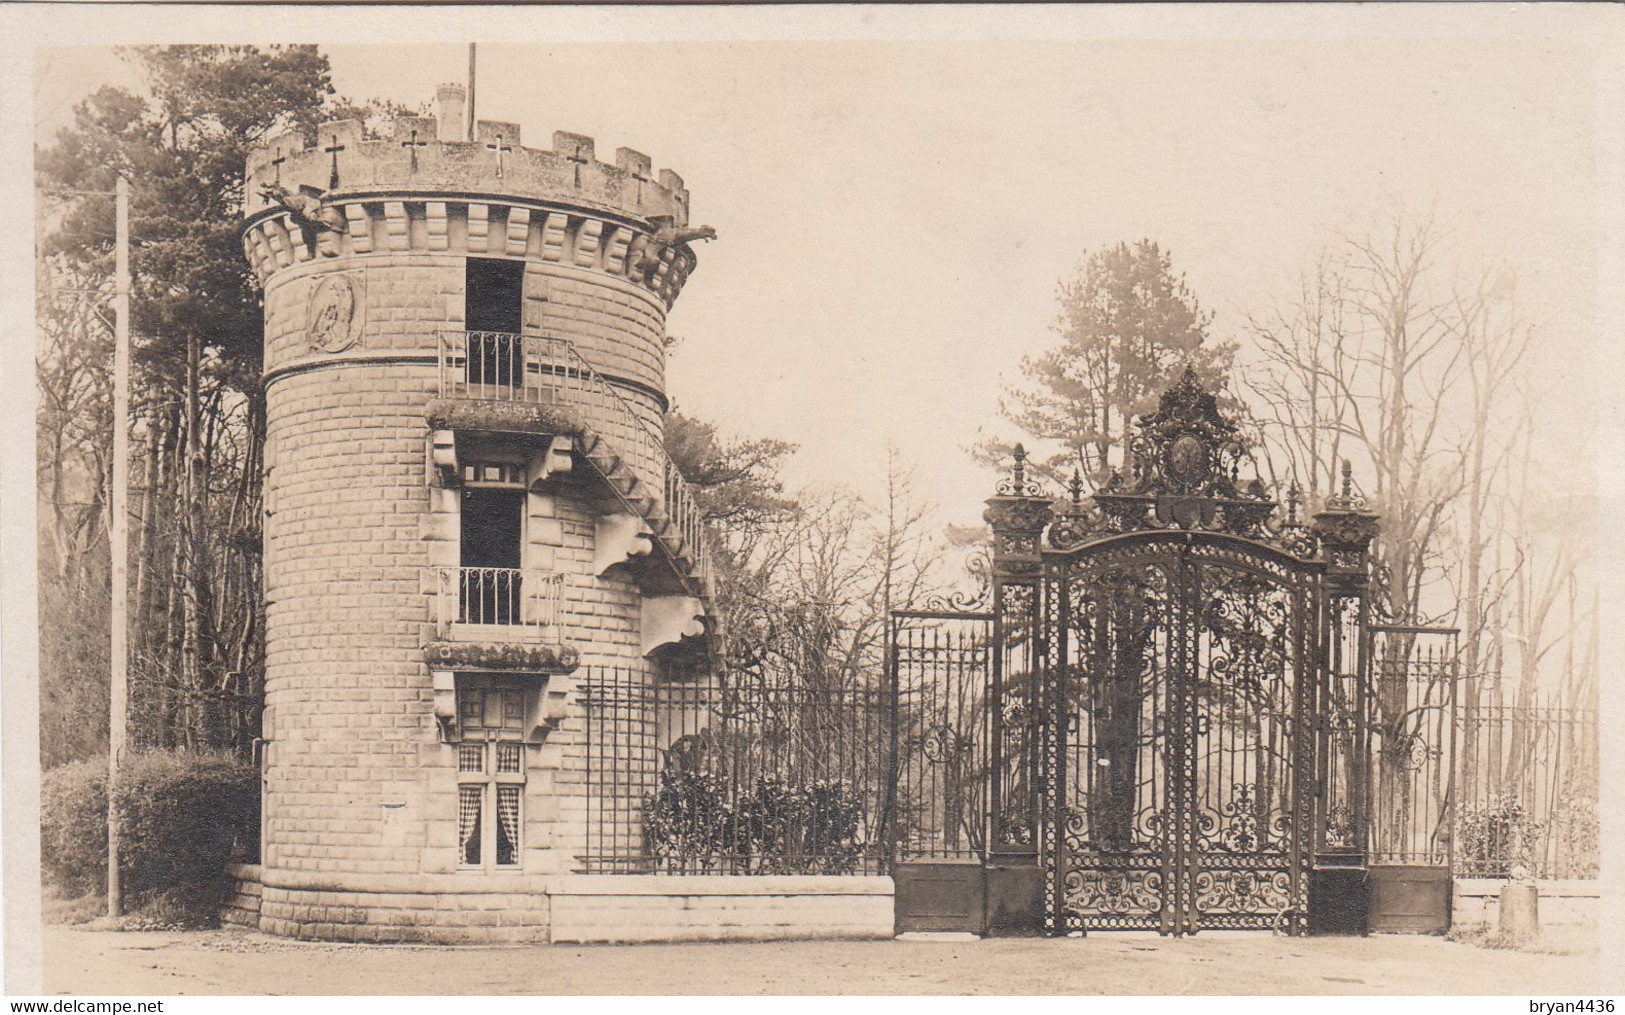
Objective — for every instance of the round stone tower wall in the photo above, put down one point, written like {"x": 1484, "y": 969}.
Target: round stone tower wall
{"x": 362, "y": 246}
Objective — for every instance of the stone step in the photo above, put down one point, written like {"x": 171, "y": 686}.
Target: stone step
{"x": 632, "y": 487}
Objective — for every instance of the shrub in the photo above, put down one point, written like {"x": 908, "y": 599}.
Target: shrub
{"x": 185, "y": 816}
{"x": 73, "y": 827}
{"x": 695, "y": 824}
{"x": 1497, "y": 836}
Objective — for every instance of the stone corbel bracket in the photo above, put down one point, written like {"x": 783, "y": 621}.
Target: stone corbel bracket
{"x": 552, "y": 704}
{"x": 620, "y": 538}
{"x": 669, "y": 619}
{"x": 443, "y": 457}
{"x": 445, "y": 704}
{"x": 551, "y": 460}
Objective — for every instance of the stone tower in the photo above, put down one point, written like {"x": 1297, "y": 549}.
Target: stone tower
{"x": 468, "y": 508}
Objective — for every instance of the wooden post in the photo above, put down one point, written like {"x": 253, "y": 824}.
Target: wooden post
{"x": 118, "y": 538}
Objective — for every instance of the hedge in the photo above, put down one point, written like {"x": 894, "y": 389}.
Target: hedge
{"x": 185, "y": 816}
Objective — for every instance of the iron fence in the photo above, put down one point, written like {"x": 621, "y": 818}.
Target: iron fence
{"x": 1487, "y": 790}
{"x": 1528, "y": 788}
{"x": 734, "y": 777}
{"x": 1413, "y": 672}
{"x": 751, "y": 777}
{"x": 942, "y": 671}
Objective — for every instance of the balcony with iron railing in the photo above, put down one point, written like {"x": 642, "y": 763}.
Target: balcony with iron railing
{"x": 498, "y": 605}
{"x": 624, "y": 445}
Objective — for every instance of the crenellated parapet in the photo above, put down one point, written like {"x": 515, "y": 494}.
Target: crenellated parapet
{"x": 343, "y": 194}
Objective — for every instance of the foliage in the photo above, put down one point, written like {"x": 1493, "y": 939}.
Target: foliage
{"x": 804, "y": 579}
{"x": 73, "y": 827}
{"x": 809, "y": 606}
{"x": 196, "y": 327}
{"x": 1402, "y": 352}
{"x": 1497, "y": 836}
{"x": 185, "y": 816}
{"x": 698, "y": 821}
{"x": 74, "y": 655}
{"x": 737, "y": 481}
{"x": 1577, "y": 831}
{"x": 1128, "y": 326}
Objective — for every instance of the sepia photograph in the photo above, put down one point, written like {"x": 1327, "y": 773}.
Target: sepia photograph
{"x": 875, "y": 500}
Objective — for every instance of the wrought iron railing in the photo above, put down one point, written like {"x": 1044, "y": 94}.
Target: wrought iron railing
{"x": 498, "y": 596}
{"x": 1527, "y": 781}
{"x": 941, "y": 671}
{"x": 1459, "y": 779}
{"x": 1414, "y": 674}
{"x": 539, "y": 369}
{"x": 740, "y": 779}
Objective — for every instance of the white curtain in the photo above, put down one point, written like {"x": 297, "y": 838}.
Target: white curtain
{"x": 470, "y": 799}
{"x": 508, "y": 823}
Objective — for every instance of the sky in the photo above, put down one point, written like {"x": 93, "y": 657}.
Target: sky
{"x": 895, "y": 207}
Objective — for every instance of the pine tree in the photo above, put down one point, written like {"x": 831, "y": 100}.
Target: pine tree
{"x": 199, "y": 414}
{"x": 1128, "y": 326}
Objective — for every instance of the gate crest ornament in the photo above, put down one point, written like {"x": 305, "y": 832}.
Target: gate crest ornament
{"x": 1183, "y": 465}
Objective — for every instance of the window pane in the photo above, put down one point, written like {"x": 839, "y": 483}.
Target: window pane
{"x": 470, "y": 802}
{"x": 492, "y": 527}
{"x": 471, "y": 706}
{"x": 470, "y": 757}
{"x": 508, "y": 825}
{"x": 509, "y": 758}
{"x": 513, "y": 708}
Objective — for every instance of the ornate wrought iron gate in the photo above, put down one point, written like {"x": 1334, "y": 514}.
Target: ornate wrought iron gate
{"x": 1180, "y": 733}
{"x": 1180, "y": 680}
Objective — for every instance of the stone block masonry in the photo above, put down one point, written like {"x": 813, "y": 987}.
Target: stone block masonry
{"x": 568, "y": 909}
{"x": 419, "y": 783}
{"x": 615, "y": 908}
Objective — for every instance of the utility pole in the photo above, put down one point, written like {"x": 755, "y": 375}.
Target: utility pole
{"x": 471, "y": 91}
{"x": 118, "y": 539}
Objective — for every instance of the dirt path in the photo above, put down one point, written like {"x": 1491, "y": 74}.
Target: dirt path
{"x": 234, "y": 962}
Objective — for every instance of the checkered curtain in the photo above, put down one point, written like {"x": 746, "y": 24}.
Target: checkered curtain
{"x": 508, "y": 821}
{"x": 468, "y": 821}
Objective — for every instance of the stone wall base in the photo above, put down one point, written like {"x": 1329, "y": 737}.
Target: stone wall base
{"x": 589, "y": 908}
{"x": 576, "y": 909}
{"x": 242, "y": 904}
{"x": 1566, "y": 902}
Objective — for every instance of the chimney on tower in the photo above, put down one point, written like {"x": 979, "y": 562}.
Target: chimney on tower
{"x": 451, "y": 98}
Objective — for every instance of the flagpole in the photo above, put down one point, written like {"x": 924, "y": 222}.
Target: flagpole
{"x": 471, "y": 91}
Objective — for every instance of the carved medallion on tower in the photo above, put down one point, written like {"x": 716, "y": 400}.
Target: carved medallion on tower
{"x": 334, "y": 322}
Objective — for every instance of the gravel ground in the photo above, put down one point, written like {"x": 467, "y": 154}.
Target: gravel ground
{"x": 84, "y": 963}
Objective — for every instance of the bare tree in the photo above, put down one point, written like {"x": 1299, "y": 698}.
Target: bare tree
{"x": 1387, "y": 357}
{"x": 810, "y": 605}
{"x": 1367, "y": 363}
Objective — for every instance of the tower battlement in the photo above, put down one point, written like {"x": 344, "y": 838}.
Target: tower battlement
{"x": 421, "y": 189}
{"x": 340, "y": 161}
